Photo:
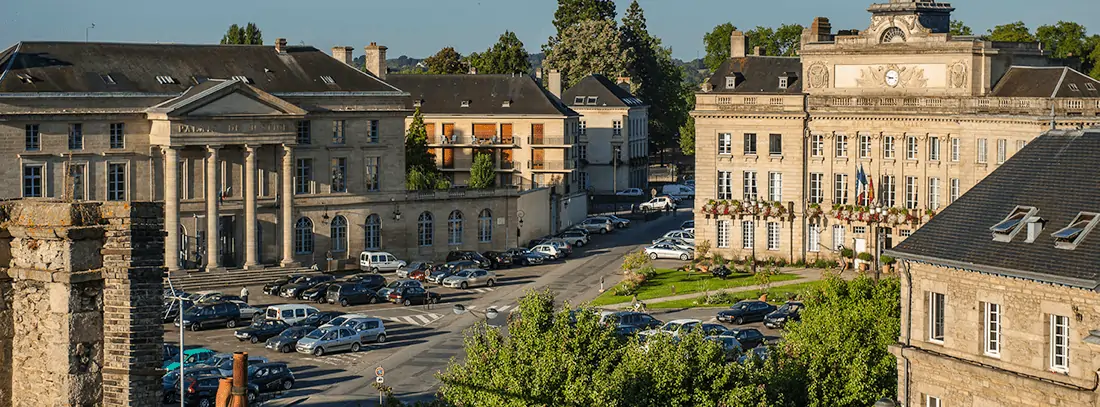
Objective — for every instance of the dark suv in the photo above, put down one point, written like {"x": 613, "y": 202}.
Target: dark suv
{"x": 473, "y": 256}
{"x": 791, "y": 311}
{"x": 746, "y": 311}
{"x": 270, "y": 377}
{"x": 369, "y": 280}
{"x": 274, "y": 287}
{"x": 204, "y": 316}
{"x": 201, "y": 391}
{"x": 499, "y": 259}
{"x": 293, "y": 290}
{"x": 352, "y": 294}
{"x": 629, "y": 322}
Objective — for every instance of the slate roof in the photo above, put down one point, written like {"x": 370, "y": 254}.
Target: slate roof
{"x": 1055, "y": 173}
{"x": 1045, "y": 82}
{"x": 80, "y": 67}
{"x": 443, "y": 94}
{"x": 607, "y": 93}
{"x": 758, "y": 74}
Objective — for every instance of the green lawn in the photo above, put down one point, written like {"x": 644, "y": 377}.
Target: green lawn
{"x": 685, "y": 283}
{"x": 775, "y": 295}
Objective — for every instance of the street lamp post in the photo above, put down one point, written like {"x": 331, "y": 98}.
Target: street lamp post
{"x": 179, "y": 301}
{"x": 756, "y": 208}
{"x": 877, "y": 212}
{"x": 489, "y": 314}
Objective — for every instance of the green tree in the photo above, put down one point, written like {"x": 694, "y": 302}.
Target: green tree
{"x": 717, "y": 43}
{"x": 571, "y": 12}
{"x": 247, "y": 35}
{"x": 1012, "y": 32}
{"x": 421, "y": 171}
{"x": 446, "y": 61}
{"x": 1094, "y": 56}
{"x": 482, "y": 173}
{"x": 507, "y": 56}
{"x": 784, "y": 41}
{"x": 960, "y": 28}
{"x": 589, "y": 47}
{"x": 687, "y": 137}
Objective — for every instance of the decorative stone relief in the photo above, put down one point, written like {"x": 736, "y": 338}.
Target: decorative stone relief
{"x": 958, "y": 74}
{"x": 819, "y": 76}
{"x": 876, "y": 77}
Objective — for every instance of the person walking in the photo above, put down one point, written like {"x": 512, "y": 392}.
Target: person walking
{"x": 244, "y": 294}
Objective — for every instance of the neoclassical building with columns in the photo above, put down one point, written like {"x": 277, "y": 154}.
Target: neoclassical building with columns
{"x": 923, "y": 115}
{"x": 263, "y": 155}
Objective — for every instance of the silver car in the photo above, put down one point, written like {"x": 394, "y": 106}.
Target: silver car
{"x": 466, "y": 278}
{"x": 329, "y": 339}
{"x": 599, "y": 225}
{"x": 667, "y": 251}
{"x": 680, "y": 244}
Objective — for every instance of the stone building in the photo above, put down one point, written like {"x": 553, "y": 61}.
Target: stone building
{"x": 609, "y": 161}
{"x": 225, "y": 136}
{"x": 922, "y": 115}
{"x": 999, "y": 302}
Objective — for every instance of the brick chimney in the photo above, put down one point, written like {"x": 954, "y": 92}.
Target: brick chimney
{"x": 280, "y": 45}
{"x": 376, "y": 60}
{"x": 553, "y": 82}
{"x": 757, "y": 51}
{"x": 819, "y": 31}
{"x": 343, "y": 54}
{"x": 624, "y": 83}
{"x": 739, "y": 45}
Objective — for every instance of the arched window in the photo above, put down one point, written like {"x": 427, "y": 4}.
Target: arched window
{"x": 424, "y": 226}
{"x": 485, "y": 226}
{"x": 893, "y": 34}
{"x": 454, "y": 228}
{"x": 373, "y": 233}
{"x": 303, "y": 236}
{"x": 339, "y": 234}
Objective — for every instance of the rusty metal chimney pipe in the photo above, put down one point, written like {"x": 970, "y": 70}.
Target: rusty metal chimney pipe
{"x": 234, "y": 392}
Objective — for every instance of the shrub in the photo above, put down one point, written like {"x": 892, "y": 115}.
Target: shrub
{"x": 719, "y": 260}
{"x": 887, "y": 259}
{"x": 847, "y": 253}
{"x": 865, "y": 256}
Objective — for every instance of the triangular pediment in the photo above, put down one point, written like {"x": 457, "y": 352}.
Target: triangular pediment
{"x": 226, "y": 99}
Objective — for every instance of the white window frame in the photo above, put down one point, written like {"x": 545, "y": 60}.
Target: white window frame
{"x": 813, "y": 239}
{"x": 723, "y": 233}
{"x": 303, "y": 181}
{"x": 749, "y": 190}
{"x": 912, "y": 200}
{"x": 912, "y": 149}
{"x": 725, "y": 143}
{"x": 773, "y": 235}
{"x": 838, "y": 236}
{"x": 817, "y": 145}
{"x": 933, "y": 148}
{"x": 816, "y": 195}
{"x": 840, "y": 189}
{"x": 775, "y": 186}
{"x": 888, "y": 147}
{"x": 982, "y": 150}
{"x": 864, "y": 146}
{"x": 725, "y": 185}
{"x": 747, "y": 140}
{"x": 841, "y": 146}
{"x": 888, "y": 190}
{"x": 933, "y": 193}
{"x": 1059, "y": 341}
{"x": 1002, "y": 150}
{"x": 932, "y": 401}
{"x": 937, "y": 312}
{"x": 991, "y": 324}
{"x": 956, "y": 190}
{"x": 748, "y": 234}
{"x": 955, "y": 147}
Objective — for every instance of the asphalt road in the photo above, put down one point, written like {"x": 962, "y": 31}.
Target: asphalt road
{"x": 422, "y": 340}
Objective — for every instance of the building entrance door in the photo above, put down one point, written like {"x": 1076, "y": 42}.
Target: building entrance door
{"x": 227, "y": 244}
{"x": 860, "y": 247}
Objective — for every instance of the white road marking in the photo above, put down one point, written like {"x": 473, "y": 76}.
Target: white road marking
{"x": 419, "y": 319}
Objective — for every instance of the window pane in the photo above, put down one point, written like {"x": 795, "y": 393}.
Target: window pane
{"x": 116, "y": 182}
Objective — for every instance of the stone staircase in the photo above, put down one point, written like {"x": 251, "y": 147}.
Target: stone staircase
{"x": 231, "y": 280}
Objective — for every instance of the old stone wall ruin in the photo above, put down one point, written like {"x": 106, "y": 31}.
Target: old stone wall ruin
{"x": 80, "y": 302}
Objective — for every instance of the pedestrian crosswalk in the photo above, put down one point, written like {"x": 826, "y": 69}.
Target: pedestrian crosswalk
{"x": 499, "y": 308}
{"x": 337, "y": 359}
{"x": 418, "y": 319}
{"x": 481, "y": 290}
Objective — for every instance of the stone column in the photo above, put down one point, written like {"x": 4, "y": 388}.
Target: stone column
{"x": 250, "y": 258}
{"x": 213, "y": 195}
{"x": 287, "y": 218}
{"x": 171, "y": 209}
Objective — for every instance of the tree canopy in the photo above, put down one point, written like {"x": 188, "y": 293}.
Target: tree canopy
{"x": 960, "y": 28}
{"x": 420, "y": 168}
{"x": 784, "y": 41}
{"x": 446, "y": 61}
{"x": 717, "y": 43}
{"x": 507, "y": 56}
{"x": 247, "y": 35}
{"x": 1011, "y": 32}
{"x": 591, "y": 46}
{"x": 571, "y": 12}
{"x": 482, "y": 173}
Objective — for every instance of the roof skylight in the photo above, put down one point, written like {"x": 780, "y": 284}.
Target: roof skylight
{"x": 107, "y": 79}
{"x": 1006, "y": 229}
{"x": 592, "y": 100}
{"x": 1070, "y": 236}
{"x": 1073, "y": 87}
{"x": 578, "y": 100}
{"x": 327, "y": 80}
{"x": 166, "y": 80}
{"x": 1090, "y": 86}
{"x": 242, "y": 78}
{"x": 465, "y": 103}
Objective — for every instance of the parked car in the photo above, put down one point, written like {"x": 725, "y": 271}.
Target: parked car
{"x": 630, "y": 192}
{"x": 469, "y": 278}
{"x": 404, "y": 271}
{"x": 191, "y": 357}
{"x": 206, "y": 316}
{"x": 201, "y": 391}
{"x": 711, "y": 329}
{"x": 678, "y": 234}
{"x": 319, "y": 319}
{"x": 561, "y": 245}
{"x": 385, "y": 292}
{"x": 206, "y": 295}
{"x": 270, "y": 377}
{"x": 172, "y": 308}
{"x": 731, "y": 347}
{"x": 667, "y": 251}
{"x": 597, "y": 224}
{"x": 169, "y": 383}
{"x": 749, "y": 337}
{"x": 680, "y": 244}
{"x": 370, "y": 329}
{"x": 675, "y": 199}
{"x": 657, "y": 204}
{"x": 340, "y": 320}
{"x": 292, "y": 290}
{"x": 224, "y": 363}
{"x": 292, "y": 314}
{"x": 678, "y": 190}
{"x": 260, "y": 330}
{"x": 549, "y": 250}
{"x": 621, "y": 223}
{"x": 286, "y": 341}
{"x": 674, "y": 327}
{"x": 171, "y": 351}
{"x": 688, "y": 224}
{"x": 760, "y": 352}
{"x": 477, "y": 258}
{"x": 537, "y": 241}
{"x": 630, "y": 321}
{"x": 525, "y": 257}
{"x": 352, "y": 294}
{"x": 446, "y": 270}
{"x": 574, "y": 237}
{"x": 371, "y": 281}
{"x": 499, "y": 259}
{"x": 316, "y": 293}
{"x": 275, "y": 287}
{"x": 791, "y": 311}
{"x": 413, "y": 296}
{"x": 248, "y": 312}
{"x": 745, "y": 311}
{"x": 377, "y": 262}
{"x": 328, "y": 339}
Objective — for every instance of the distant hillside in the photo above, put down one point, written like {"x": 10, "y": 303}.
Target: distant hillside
{"x": 401, "y": 63}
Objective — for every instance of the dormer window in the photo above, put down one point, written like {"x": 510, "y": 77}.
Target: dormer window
{"x": 107, "y": 79}
{"x": 783, "y": 82}
{"x": 465, "y": 103}
{"x": 578, "y": 100}
{"x": 1090, "y": 86}
{"x": 166, "y": 80}
{"x": 592, "y": 100}
{"x": 506, "y": 103}
{"x": 242, "y": 78}
{"x": 1070, "y": 236}
{"x": 1073, "y": 87}
{"x": 1006, "y": 229}
{"x": 731, "y": 82}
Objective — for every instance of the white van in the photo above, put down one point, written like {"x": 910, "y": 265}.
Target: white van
{"x": 678, "y": 190}
{"x": 289, "y": 313}
{"x": 379, "y": 261}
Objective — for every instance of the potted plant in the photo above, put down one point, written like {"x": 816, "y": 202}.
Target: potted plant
{"x": 866, "y": 259}
{"x": 845, "y": 255}
{"x": 887, "y": 263}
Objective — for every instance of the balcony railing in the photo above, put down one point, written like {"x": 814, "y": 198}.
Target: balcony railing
{"x": 508, "y": 165}
{"x": 467, "y": 140}
{"x": 548, "y": 141}
{"x": 556, "y": 165}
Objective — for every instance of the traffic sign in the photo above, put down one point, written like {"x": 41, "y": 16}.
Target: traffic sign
{"x": 379, "y": 371}
{"x": 380, "y": 379}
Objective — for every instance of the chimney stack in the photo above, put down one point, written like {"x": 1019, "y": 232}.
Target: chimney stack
{"x": 819, "y": 31}
{"x": 554, "y": 82}
{"x": 376, "y": 60}
{"x": 757, "y": 51}
{"x": 280, "y": 45}
{"x": 624, "y": 83}
{"x": 739, "y": 45}
{"x": 343, "y": 54}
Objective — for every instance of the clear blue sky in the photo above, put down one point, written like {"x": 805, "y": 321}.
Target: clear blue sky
{"x": 419, "y": 28}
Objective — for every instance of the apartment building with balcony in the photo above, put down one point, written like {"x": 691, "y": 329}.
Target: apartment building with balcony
{"x": 613, "y": 147}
